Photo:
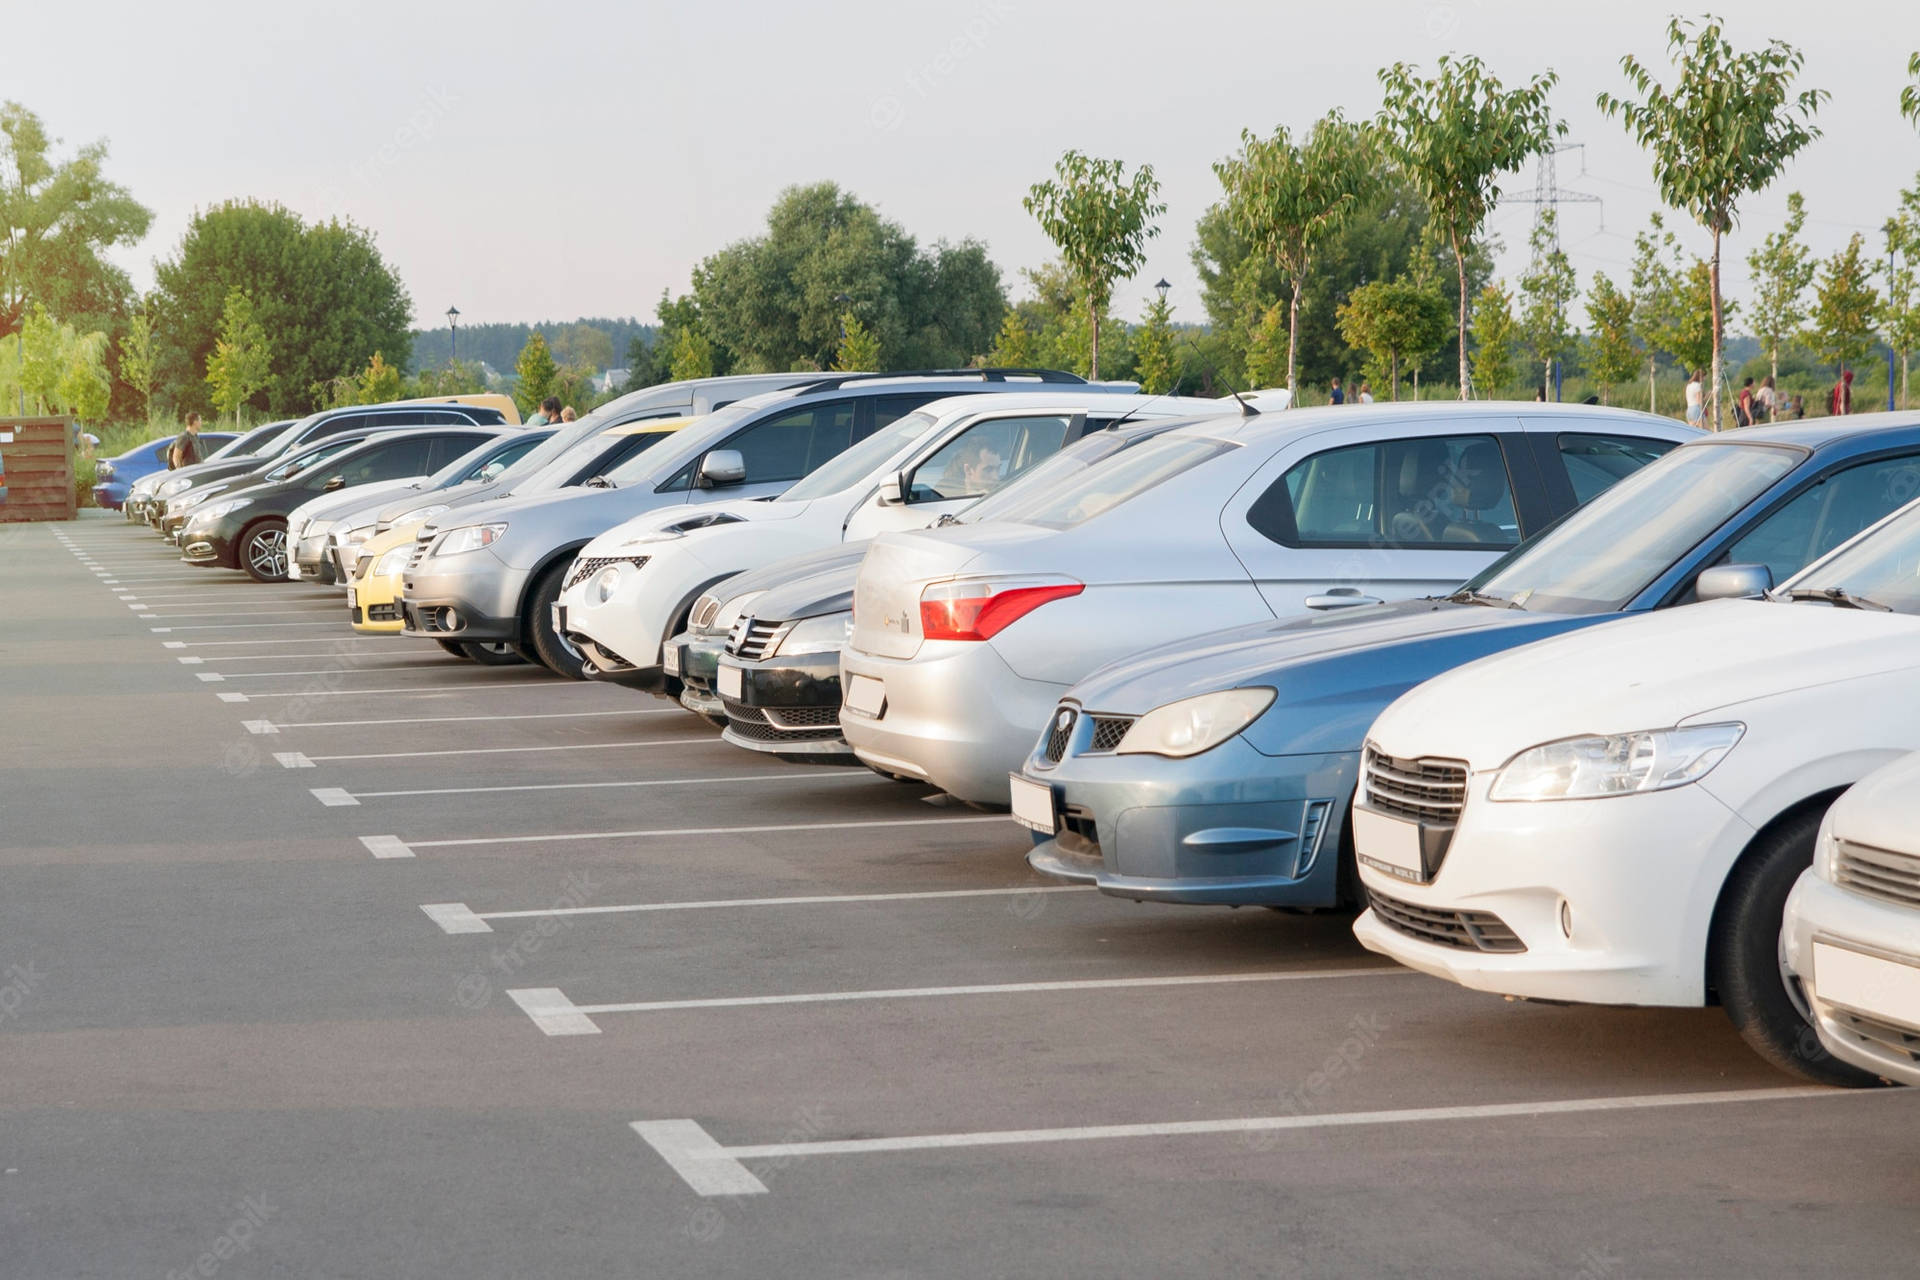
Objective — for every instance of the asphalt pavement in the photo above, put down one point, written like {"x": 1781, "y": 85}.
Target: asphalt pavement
{"x": 325, "y": 955}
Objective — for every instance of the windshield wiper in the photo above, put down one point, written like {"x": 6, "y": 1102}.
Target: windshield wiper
{"x": 1466, "y": 595}
{"x": 1840, "y": 597}
{"x": 598, "y": 482}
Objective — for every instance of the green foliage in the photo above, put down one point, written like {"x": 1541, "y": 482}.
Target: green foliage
{"x": 463, "y": 377}
{"x": 1156, "y": 364}
{"x": 1900, "y": 312}
{"x": 573, "y": 383}
{"x": 537, "y": 371}
{"x": 1267, "y": 345}
{"x": 496, "y": 344}
{"x": 1100, "y": 220}
{"x": 136, "y": 360}
{"x": 692, "y": 355}
{"x": 1840, "y": 324}
{"x": 380, "y": 382}
{"x": 1673, "y": 297}
{"x": 1782, "y": 270}
{"x": 1288, "y": 199}
{"x": 1457, "y": 134}
{"x": 1612, "y": 356}
{"x": 1494, "y": 337}
{"x": 56, "y": 367}
{"x": 859, "y": 350}
{"x": 1910, "y": 93}
{"x": 1548, "y": 286}
{"x": 1013, "y": 347}
{"x": 1394, "y": 321}
{"x": 323, "y": 292}
{"x": 241, "y": 361}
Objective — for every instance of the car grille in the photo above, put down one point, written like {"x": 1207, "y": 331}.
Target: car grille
{"x": 1430, "y": 792}
{"x": 756, "y": 724}
{"x": 1108, "y": 730}
{"x": 703, "y": 610}
{"x": 584, "y": 568}
{"x": 383, "y": 613}
{"x": 1879, "y": 1035}
{"x": 754, "y": 639}
{"x": 1878, "y": 873}
{"x": 1059, "y": 731}
{"x": 1463, "y": 930}
{"x": 803, "y": 717}
{"x": 419, "y": 554}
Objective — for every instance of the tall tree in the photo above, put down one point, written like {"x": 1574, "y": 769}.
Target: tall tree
{"x": 537, "y": 369}
{"x": 1155, "y": 361}
{"x": 1900, "y": 313}
{"x": 1458, "y": 134}
{"x": 1548, "y": 286}
{"x": 1013, "y": 347}
{"x": 136, "y": 359}
{"x": 859, "y": 350}
{"x": 380, "y": 382}
{"x": 1840, "y": 324}
{"x": 1394, "y": 321}
{"x": 242, "y": 359}
{"x": 692, "y": 355}
{"x": 1782, "y": 270}
{"x": 1612, "y": 357}
{"x": 1289, "y": 198}
{"x": 1494, "y": 332}
{"x": 1726, "y": 129}
{"x": 1100, "y": 220}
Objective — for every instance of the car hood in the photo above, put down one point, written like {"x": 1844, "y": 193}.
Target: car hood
{"x": 812, "y": 596}
{"x": 454, "y": 496}
{"x": 581, "y": 512}
{"x": 1647, "y": 672}
{"x": 330, "y": 505}
{"x": 720, "y": 514}
{"x": 1883, "y": 809}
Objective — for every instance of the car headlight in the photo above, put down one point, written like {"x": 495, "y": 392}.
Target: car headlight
{"x": 392, "y": 561}
{"x": 418, "y": 513}
{"x": 729, "y": 612}
{"x": 1620, "y": 764}
{"x": 314, "y": 528}
{"x": 103, "y": 471}
{"x": 467, "y": 538}
{"x": 1193, "y": 725}
{"x": 605, "y": 583}
{"x": 208, "y": 514}
{"x": 352, "y": 537}
{"x": 826, "y": 634}
{"x": 178, "y": 485}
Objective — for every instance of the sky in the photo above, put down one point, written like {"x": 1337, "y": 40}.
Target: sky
{"x": 529, "y": 162}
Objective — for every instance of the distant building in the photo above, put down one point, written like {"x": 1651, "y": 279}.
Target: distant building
{"x": 605, "y": 382}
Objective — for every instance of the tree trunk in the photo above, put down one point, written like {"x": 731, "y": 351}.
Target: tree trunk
{"x": 1903, "y": 379}
{"x": 1293, "y": 331}
{"x": 1713, "y": 282}
{"x": 1393, "y": 387}
{"x": 1460, "y": 271}
{"x": 1652, "y": 389}
{"x": 1093, "y": 319}
{"x": 1773, "y": 365}
{"x": 1416, "y": 382}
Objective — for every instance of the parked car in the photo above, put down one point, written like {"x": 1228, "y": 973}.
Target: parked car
{"x": 113, "y": 477}
{"x": 966, "y": 637}
{"x": 907, "y": 474}
{"x": 1617, "y": 816}
{"x": 140, "y": 506}
{"x": 493, "y": 573}
{"x": 177, "y": 511}
{"x": 1257, "y": 815}
{"x": 247, "y": 528}
{"x": 1853, "y": 926}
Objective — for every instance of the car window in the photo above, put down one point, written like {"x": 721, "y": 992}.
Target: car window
{"x": 1597, "y": 463}
{"x": 384, "y": 462}
{"x": 1820, "y": 518}
{"x": 857, "y": 463}
{"x": 987, "y": 455}
{"x": 498, "y": 462}
{"x": 1098, "y": 488}
{"x": 1883, "y": 569}
{"x": 1432, "y": 491}
{"x": 786, "y": 446}
{"x": 306, "y": 457}
{"x": 445, "y": 449}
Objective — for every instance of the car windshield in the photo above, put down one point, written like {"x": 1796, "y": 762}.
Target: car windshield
{"x": 1610, "y": 550}
{"x": 301, "y": 461}
{"x": 851, "y": 467}
{"x": 552, "y": 447}
{"x": 284, "y": 444}
{"x": 227, "y": 450}
{"x": 460, "y": 468}
{"x": 635, "y": 460}
{"x": 1076, "y": 486}
{"x": 1880, "y": 569}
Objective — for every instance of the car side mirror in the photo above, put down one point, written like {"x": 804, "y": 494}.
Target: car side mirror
{"x": 721, "y": 467}
{"x": 896, "y": 490}
{"x": 1734, "y": 582}
{"x": 337, "y": 482}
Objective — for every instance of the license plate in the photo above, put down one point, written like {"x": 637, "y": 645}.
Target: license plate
{"x": 293, "y": 570}
{"x": 560, "y": 618}
{"x": 1867, "y": 984}
{"x": 730, "y": 681}
{"x": 353, "y": 598}
{"x": 1389, "y": 845}
{"x": 1032, "y": 804}
{"x": 670, "y": 659}
{"x": 865, "y": 695}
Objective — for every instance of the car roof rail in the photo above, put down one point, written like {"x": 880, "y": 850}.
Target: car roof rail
{"x": 992, "y": 374}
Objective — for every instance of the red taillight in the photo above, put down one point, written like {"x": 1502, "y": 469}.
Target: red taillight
{"x": 980, "y": 610}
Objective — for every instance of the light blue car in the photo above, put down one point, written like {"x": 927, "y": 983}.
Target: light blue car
{"x": 1219, "y": 770}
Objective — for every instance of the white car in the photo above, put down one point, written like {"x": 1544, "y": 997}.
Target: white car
{"x": 965, "y": 637}
{"x": 1616, "y": 816}
{"x": 630, "y": 587}
{"x": 1853, "y": 926}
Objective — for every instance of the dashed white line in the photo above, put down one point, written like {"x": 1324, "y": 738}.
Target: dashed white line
{"x": 471, "y": 921}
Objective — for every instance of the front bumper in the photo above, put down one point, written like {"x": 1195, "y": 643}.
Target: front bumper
{"x": 110, "y": 494}
{"x": 470, "y": 597}
{"x": 691, "y": 659}
{"x": 1228, "y": 827}
{"x": 785, "y": 707}
{"x": 211, "y": 545}
{"x": 1884, "y": 1038}
{"x": 955, "y": 715}
{"x": 316, "y": 564}
{"x": 1636, "y": 877}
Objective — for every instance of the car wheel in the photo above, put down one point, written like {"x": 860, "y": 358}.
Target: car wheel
{"x": 263, "y": 551}
{"x": 454, "y": 647}
{"x": 1744, "y": 958}
{"x": 492, "y": 655}
{"x": 549, "y": 647}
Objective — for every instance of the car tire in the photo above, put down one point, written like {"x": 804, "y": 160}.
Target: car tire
{"x": 498, "y": 654}
{"x": 262, "y": 547}
{"x": 455, "y": 648}
{"x": 1744, "y": 957}
{"x": 548, "y": 648}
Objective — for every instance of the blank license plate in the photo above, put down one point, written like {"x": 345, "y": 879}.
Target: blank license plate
{"x": 1867, "y": 984}
{"x": 1032, "y": 804}
{"x": 353, "y": 598}
{"x": 730, "y": 680}
{"x": 1389, "y": 845}
{"x": 670, "y": 659}
{"x": 293, "y": 569}
{"x": 865, "y": 695}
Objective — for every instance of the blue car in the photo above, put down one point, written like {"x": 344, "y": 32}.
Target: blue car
{"x": 112, "y": 477}
{"x": 1220, "y": 770}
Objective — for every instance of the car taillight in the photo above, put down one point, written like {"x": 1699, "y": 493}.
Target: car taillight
{"x": 981, "y": 608}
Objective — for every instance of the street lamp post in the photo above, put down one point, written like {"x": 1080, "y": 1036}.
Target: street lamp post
{"x": 1161, "y": 289}
{"x": 841, "y": 300}
{"x": 453, "y": 335}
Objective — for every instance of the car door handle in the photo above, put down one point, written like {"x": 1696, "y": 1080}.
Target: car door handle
{"x": 1341, "y": 598}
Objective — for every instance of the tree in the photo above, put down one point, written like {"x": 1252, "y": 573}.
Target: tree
{"x": 1457, "y": 135}
{"x": 85, "y": 388}
{"x": 242, "y": 360}
{"x": 1910, "y": 94}
{"x": 62, "y": 370}
{"x": 1100, "y": 220}
{"x": 1782, "y": 270}
{"x": 1548, "y": 286}
{"x": 1267, "y": 349}
{"x": 380, "y": 382}
{"x": 537, "y": 371}
{"x": 462, "y": 377}
{"x": 1840, "y": 324}
{"x": 692, "y": 355}
{"x": 136, "y": 360}
{"x": 57, "y": 220}
{"x": 323, "y": 291}
{"x": 1155, "y": 361}
{"x": 1494, "y": 332}
{"x": 1611, "y": 355}
{"x": 1289, "y": 198}
{"x": 1013, "y": 348}
{"x": 1900, "y": 314}
{"x": 859, "y": 348}
{"x": 584, "y": 346}
{"x": 1393, "y": 321}
{"x": 1725, "y": 130}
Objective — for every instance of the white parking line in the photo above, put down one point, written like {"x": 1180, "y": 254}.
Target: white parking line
{"x": 263, "y": 613}
{"x": 539, "y": 715}
{"x": 413, "y": 659}
{"x": 398, "y": 690}
{"x": 813, "y": 775}
{"x": 249, "y": 626}
{"x": 323, "y": 671}
{"x": 223, "y": 644}
{"x": 556, "y": 1015}
{"x": 694, "y": 831}
{"x": 711, "y": 1169}
{"x": 491, "y": 751}
{"x": 458, "y": 917}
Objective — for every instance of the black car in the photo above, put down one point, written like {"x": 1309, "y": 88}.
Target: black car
{"x": 247, "y": 528}
{"x": 272, "y": 470}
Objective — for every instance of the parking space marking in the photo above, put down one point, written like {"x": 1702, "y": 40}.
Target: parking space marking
{"x": 495, "y": 751}
{"x": 259, "y": 726}
{"x": 820, "y": 775}
{"x": 386, "y": 846}
{"x": 559, "y": 1016}
{"x": 292, "y": 760}
{"x": 414, "y": 659}
{"x": 227, "y": 644}
{"x": 233, "y": 697}
{"x": 323, "y": 671}
{"x": 397, "y": 690}
{"x": 471, "y": 921}
{"x": 705, "y": 1164}
{"x": 707, "y": 831}
{"x": 248, "y": 626}
{"x": 210, "y": 677}
{"x": 333, "y": 797}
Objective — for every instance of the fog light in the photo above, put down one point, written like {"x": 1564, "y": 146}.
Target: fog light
{"x": 605, "y": 583}
{"x": 1566, "y": 919}
{"x": 450, "y": 620}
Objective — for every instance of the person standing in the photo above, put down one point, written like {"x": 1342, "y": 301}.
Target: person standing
{"x": 1696, "y": 399}
{"x": 1366, "y": 393}
{"x": 546, "y": 415}
{"x": 1840, "y": 401}
{"x": 185, "y": 449}
{"x": 1743, "y": 405}
{"x": 1767, "y": 399}
{"x": 1336, "y": 396}
{"x": 567, "y": 414}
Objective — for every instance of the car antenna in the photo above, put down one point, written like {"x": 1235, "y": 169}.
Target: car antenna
{"x": 1128, "y": 416}
{"x": 1246, "y": 410}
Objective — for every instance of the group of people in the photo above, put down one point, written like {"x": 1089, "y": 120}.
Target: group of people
{"x": 1763, "y": 403}
{"x": 1362, "y": 394}
{"x": 550, "y": 412}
